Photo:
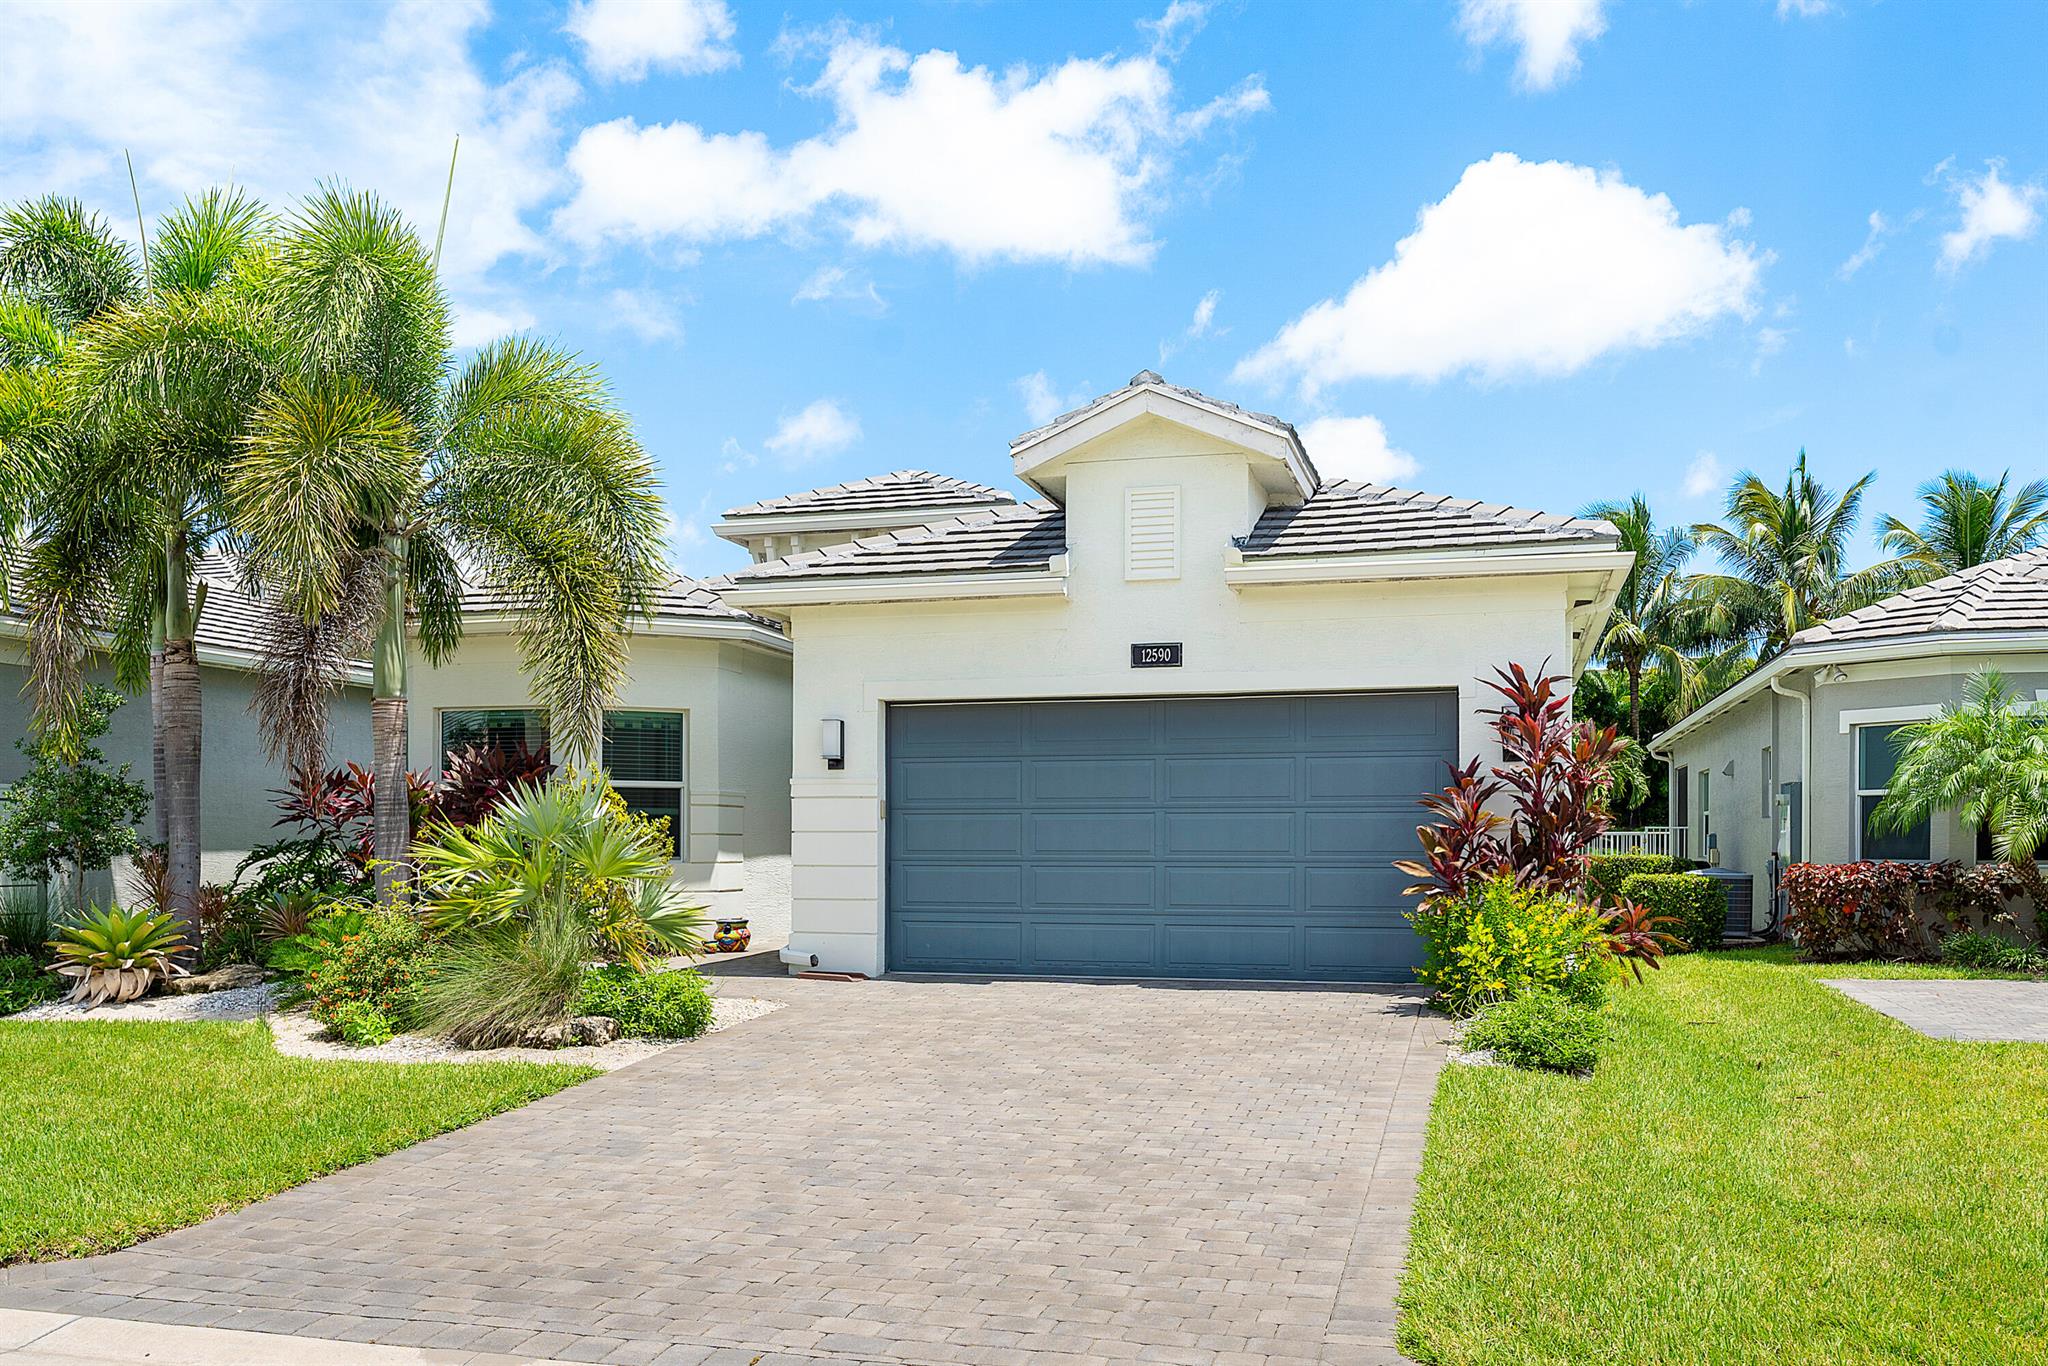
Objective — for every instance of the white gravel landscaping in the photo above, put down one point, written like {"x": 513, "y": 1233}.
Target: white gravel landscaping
{"x": 298, "y": 1035}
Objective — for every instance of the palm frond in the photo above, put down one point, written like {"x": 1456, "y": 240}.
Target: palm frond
{"x": 64, "y": 259}
{"x": 199, "y": 247}
{"x": 305, "y": 662}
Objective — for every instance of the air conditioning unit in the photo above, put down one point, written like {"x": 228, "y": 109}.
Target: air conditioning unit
{"x": 1741, "y": 890}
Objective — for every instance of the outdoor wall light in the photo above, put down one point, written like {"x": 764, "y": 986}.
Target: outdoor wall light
{"x": 832, "y": 742}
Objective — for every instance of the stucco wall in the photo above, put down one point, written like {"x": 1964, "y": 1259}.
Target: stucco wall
{"x": 736, "y": 696}
{"x": 1871, "y": 693}
{"x": 851, "y": 661}
{"x": 237, "y": 779}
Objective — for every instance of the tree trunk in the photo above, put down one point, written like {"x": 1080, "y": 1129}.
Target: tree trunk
{"x": 156, "y": 741}
{"x": 1635, "y": 703}
{"x": 393, "y": 812}
{"x": 181, "y": 782}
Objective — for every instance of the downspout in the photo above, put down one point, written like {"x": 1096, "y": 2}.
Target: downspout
{"x": 1805, "y": 700}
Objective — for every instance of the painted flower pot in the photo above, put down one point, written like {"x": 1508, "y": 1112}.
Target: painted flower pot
{"x": 731, "y": 936}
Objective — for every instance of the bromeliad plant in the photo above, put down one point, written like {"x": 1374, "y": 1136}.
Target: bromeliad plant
{"x": 118, "y": 955}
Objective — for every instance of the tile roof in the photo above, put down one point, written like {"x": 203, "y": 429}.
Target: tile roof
{"x": 2004, "y": 595}
{"x": 1151, "y": 378}
{"x": 680, "y": 599}
{"x": 233, "y": 619}
{"x": 1020, "y": 537}
{"x": 1349, "y": 518}
{"x": 884, "y": 493}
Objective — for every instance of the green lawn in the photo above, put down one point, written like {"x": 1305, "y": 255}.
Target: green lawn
{"x": 111, "y": 1132}
{"x": 1760, "y": 1170}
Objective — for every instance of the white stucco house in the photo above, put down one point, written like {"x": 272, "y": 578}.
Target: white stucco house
{"x": 1786, "y": 766}
{"x": 1169, "y": 718}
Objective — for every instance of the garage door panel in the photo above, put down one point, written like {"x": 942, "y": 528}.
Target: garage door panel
{"x": 1220, "y": 838}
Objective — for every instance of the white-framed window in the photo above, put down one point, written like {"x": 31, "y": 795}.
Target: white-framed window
{"x": 646, "y": 754}
{"x": 1876, "y": 759}
{"x": 1706, "y": 811}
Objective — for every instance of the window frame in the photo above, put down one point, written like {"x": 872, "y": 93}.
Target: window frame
{"x": 1858, "y": 791}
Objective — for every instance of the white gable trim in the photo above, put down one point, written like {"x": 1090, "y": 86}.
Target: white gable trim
{"x": 1157, "y": 400}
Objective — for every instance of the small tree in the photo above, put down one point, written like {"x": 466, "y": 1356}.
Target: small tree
{"x": 71, "y": 811}
{"x": 1987, "y": 760}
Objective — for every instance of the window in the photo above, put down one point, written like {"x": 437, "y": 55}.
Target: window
{"x": 1706, "y": 810}
{"x": 503, "y": 727}
{"x": 1766, "y": 781}
{"x": 1681, "y": 799}
{"x": 1877, "y": 758}
{"x": 643, "y": 753}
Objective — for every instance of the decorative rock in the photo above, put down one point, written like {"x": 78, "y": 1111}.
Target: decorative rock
{"x": 594, "y": 1030}
{"x": 548, "y": 1036}
{"x": 233, "y": 977}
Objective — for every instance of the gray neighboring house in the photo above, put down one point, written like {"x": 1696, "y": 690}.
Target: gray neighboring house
{"x": 237, "y": 778}
{"x": 1830, "y": 705}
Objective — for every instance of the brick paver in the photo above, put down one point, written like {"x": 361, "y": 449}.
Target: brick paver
{"x": 993, "y": 1174}
{"x": 1982, "y": 1011}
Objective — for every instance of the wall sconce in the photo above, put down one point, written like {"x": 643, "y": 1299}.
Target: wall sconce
{"x": 832, "y": 742}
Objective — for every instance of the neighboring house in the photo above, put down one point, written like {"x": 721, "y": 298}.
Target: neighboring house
{"x": 237, "y": 777}
{"x": 698, "y": 733}
{"x": 1830, "y": 706}
{"x": 1172, "y": 719}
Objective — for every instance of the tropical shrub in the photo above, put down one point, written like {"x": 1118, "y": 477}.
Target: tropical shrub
{"x": 478, "y": 779}
{"x": 1697, "y": 906}
{"x": 24, "y": 983}
{"x": 1541, "y": 1029}
{"x": 24, "y": 923}
{"x": 230, "y": 927}
{"x": 495, "y": 984}
{"x": 662, "y": 1005}
{"x": 381, "y": 964}
{"x": 1989, "y": 953}
{"x": 70, "y": 813}
{"x": 114, "y": 954}
{"x": 1890, "y": 909}
{"x": 1499, "y": 940}
{"x": 361, "y": 1024}
{"x": 1606, "y": 872}
{"x": 322, "y": 938}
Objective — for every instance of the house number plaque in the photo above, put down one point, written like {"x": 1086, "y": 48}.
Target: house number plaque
{"x": 1160, "y": 655}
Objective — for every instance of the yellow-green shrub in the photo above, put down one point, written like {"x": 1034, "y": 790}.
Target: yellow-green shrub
{"x": 1498, "y": 941}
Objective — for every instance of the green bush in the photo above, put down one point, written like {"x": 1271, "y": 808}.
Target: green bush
{"x": 321, "y": 940}
{"x": 1541, "y": 1028}
{"x": 1989, "y": 953}
{"x": 1698, "y": 904}
{"x": 659, "y": 1005}
{"x": 24, "y": 983}
{"x": 1606, "y": 872}
{"x": 1498, "y": 941}
{"x": 492, "y": 985}
{"x": 380, "y": 964}
{"x": 24, "y": 923}
{"x": 360, "y": 1023}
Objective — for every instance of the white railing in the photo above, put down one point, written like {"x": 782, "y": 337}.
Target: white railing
{"x": 1668, "y": 840}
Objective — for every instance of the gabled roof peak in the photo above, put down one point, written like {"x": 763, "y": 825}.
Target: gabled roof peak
{"x": 879, "y": 493}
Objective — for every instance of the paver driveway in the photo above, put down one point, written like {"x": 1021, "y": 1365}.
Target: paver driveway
{"x": 901, "y": 1171}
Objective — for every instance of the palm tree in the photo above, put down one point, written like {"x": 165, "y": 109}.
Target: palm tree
{"x": 151, "y": 403}
{"x": 1967, "y": 522}
{"x": 1988, "y": 761}
{"x": 374, "y": 467}
{"x": 1647, "y": 625}
{"x": 1786, "y": 553}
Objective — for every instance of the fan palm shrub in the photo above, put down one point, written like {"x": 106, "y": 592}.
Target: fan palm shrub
{"x": 117, "y": 955}
{"x": 1967, "y": 522}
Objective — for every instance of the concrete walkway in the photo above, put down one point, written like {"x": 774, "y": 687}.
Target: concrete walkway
{"x": 1956, "y": 1008}
{"x": 999, "y": 1174}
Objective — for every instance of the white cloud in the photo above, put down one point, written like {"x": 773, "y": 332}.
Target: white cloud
{"x": 1873, "y": 243}
{"x": 1769, "y": 342}
{"x": 1804, "y": 9}
{"x": 1704, "y": 475}
{"x": 733, "y": 457}
{"x": 1202, "y": 324}
{"x": 1356, "y": 448}
{"x": 1992, "y": 210}
{"x": 644, "y": 315}
{"x": 819, "y": 430}
{"x": 1042, "y": 399}
{"x": 623, "y": 40}
{"x": 1548, "y": 32}
{"x": 838, "y": 284}
{"x": 1065, "y": 165}
{"x": 1524, "y": 268}
{"x": 1176, "y": 28}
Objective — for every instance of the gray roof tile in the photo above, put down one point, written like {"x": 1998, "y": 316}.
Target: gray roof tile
{"x": 1020, "y": 537}
{"x": 1138, "y": 381}
{"x": 2004, "y": 595}
{"x": 680, "y": 599}
{"x": 233, "y": 618}
{"x": 1351, "y": 518}
{"x": 884, "y": 493}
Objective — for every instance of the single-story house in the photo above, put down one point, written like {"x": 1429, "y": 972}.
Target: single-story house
{"x": 238, "y": 778}
{"x": 1786, "y": 766}
{"x": 1170, "y": 718}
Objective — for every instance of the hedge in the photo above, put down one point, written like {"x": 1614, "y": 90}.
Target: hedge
{"x": 1698, "y": 904}
{"x": 1606, "y": 872}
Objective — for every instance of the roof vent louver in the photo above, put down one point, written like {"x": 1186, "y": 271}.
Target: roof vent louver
{"x": 1152, "y": 533}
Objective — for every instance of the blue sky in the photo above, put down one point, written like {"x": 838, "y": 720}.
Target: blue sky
{"x": 1539, "y": 252}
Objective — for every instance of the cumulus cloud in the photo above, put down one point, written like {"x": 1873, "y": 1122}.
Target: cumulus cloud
{"x": 1523, "y": 269}
{"x": 1873, "y": 243}
{"x": 1548, "y": 33}
{"x": 646, "y": 316}
{"x": 1063, "y": 165}
{"x": 623, "y": 40}
{"x": 1176, "y": 28}
{"x": 1704, "y": 475}
{"x": 819, "y": 430}
{"x": 1991, "y": 210}
{"x": 1356, "y": 448}
{"x": 1042, "y": 398}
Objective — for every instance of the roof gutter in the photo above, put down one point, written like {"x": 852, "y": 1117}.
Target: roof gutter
{"x": 772, "y": 595}
{"x": 753, "y": 633}
{"x": 1242, "y": 571}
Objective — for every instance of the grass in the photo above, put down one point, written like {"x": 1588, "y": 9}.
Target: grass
{"x": 1759, "y": 1170}
{"x": 111, "y": 1132}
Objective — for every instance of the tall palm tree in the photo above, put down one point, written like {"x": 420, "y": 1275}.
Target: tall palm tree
{"x": 134, "y": 495}
{"x": 374, "y": 466}
{"x": 1648, "y": 624}
{"x": 1786, "y": 555}
{"x": 1987, "y": 760}
{"x": 1967, "y": 522}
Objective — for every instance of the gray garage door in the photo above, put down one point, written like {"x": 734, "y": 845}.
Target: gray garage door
{"x": 1245, "y": 837}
